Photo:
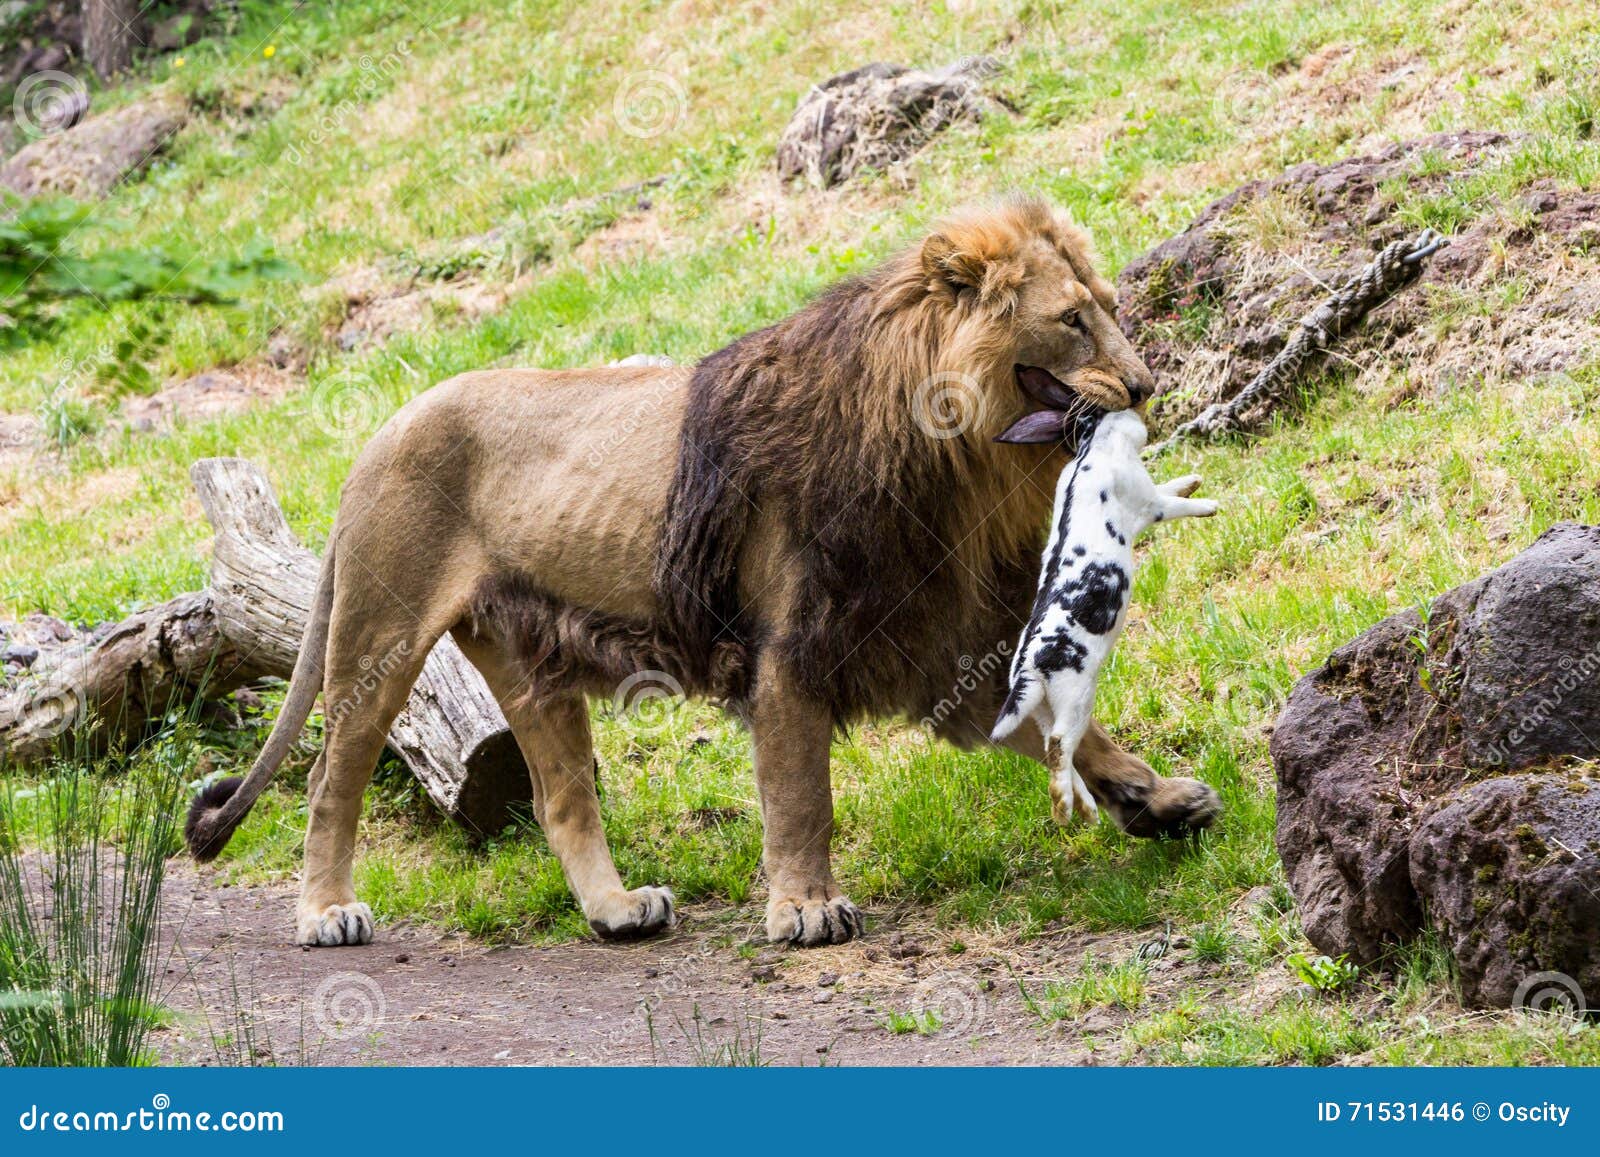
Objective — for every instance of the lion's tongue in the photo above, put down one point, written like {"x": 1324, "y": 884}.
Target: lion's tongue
{"x": 1039, "y": 426}
{"x": 1043, "y": 387}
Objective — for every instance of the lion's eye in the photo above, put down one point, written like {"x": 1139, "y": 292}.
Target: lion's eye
{"x": 1071, "y": 320}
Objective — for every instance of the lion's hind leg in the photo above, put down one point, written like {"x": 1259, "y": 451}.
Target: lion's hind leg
{"x": 365, "y": 686}
{"x": 553, "y": 736}
{"x": 1141, "y": 802}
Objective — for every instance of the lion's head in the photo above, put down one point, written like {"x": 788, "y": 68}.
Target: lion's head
{"x": 1022, "y": 280}
{"x": 856, "y": 442}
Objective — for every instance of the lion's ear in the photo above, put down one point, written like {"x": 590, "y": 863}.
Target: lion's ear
{"x": 956, "y": 263}
{"x": 946, "y": 263}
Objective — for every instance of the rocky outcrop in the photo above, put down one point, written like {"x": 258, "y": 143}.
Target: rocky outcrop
{"x": 1431, "y": 772}
{"x": 877, "y": 116}
{"x": 1209, "y": 307}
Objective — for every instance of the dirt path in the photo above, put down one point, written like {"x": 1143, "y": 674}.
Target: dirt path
{"x": 414, "y": 997}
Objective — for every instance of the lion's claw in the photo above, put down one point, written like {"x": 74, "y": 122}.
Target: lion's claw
{"x": 334, "y": 926}
{"x": 809, "y": 923}
{"x": 631, "y": 915}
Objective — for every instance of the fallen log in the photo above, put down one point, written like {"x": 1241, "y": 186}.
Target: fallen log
{"x": 147, "y": 664}
{"x": 451, "y": 733}
{"x": 1397, "y": 265}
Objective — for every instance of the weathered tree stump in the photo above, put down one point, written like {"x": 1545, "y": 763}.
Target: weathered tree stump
{"x": 451, "y": 734}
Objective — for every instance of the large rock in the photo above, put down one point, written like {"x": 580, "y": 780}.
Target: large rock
{"x": 1508, "y": 871}
{"x": 1397, "y": 787}
{"x": 876, "y": 116}
{"x": 88, "y": 160}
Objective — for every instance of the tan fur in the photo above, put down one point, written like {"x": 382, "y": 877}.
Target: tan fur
{"x": 513, "y": 503}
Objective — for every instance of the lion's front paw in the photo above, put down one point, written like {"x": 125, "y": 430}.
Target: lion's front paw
{"x": 630, "y": 915}
{"x": 334, "y": 925}
{"x": 812, "y": 922}
{"x": 1170, "y": 807}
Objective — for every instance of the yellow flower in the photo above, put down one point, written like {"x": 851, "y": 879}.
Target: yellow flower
{"x": 178, "y": 62}
{"x": 269, "y": 51}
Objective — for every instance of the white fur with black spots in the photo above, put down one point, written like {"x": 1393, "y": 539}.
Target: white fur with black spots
{"x": 1104, "y": 500}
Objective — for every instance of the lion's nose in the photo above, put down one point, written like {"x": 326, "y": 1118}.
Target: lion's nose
{"x": 1141, "y": 387}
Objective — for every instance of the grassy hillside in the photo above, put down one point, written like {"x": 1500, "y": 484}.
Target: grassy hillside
{"x": 606, "y": 169}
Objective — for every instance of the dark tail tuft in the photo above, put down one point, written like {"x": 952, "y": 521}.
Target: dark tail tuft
{"x": 207, "y": 831}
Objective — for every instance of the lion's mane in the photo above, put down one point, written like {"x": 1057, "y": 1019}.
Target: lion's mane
{"x": 913, "y": 554}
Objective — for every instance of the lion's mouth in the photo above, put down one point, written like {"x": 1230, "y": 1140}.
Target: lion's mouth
{"x": 1047, "y": 389}
{"x": 1063, "y": 407}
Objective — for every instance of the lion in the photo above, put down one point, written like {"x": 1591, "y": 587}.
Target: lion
{"x": 815, "y": 525}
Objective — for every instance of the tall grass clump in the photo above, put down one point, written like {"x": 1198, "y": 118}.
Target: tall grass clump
{"x": 82, "y": 860}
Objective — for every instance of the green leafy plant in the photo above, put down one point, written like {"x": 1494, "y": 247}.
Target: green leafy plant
{"x": 709, "y": 1048}
{"x": 1214, "y": 942}
{"x": 41, "y": 268}
{"x": 65, "y": 418}
{"x": 1326, "y": 974}
{"x": 924, "y": 1023}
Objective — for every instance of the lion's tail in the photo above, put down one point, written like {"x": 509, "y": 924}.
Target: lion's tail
{"x": 221, "y": 808}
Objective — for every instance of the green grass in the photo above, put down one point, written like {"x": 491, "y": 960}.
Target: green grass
{"x": 923, "y": 1023}
{"x": 1099, "y": 985}
{"x": 401, "y": 134}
